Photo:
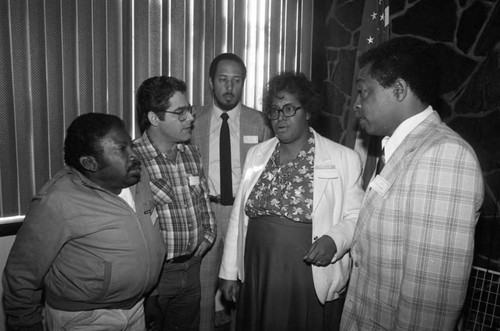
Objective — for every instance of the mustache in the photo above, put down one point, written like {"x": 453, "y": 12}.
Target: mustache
{"x": 136, "y": 165}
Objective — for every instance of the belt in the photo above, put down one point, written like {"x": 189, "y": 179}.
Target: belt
{"x": 180, "y": 259}
{"x": 218, "y": 199}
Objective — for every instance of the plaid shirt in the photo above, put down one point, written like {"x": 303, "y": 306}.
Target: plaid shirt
{"x": 180, "y": 192}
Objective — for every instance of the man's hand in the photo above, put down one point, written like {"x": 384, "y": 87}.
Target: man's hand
{"x": 321, "y": 252}
{"x": 229, "y": 289}
{"x": 202, "y": 248}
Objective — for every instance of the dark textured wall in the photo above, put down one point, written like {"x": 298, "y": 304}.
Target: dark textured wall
{"x": 466, "y": 35}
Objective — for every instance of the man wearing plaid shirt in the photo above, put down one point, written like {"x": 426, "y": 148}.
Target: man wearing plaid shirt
{"x": 414, "y": 241}
{"x": 180, "y": 191}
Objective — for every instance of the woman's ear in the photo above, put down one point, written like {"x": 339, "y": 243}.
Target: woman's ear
{"x": 308, "y": 116}
{"x": 89, "y": 163}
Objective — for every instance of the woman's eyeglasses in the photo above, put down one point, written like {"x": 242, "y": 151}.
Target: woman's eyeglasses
{"x": 288, "y": 110}
{"x": 182, "y": 113}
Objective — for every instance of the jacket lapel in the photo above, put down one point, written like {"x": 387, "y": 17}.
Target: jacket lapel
{"x": 203, "y": 122}
{"x": 245, "y": 130}
{"x": 324, "y": 171}
{"x": 397, "y": 162}
{"x": 322, "y": 166}
{"x": 396, "y": 165}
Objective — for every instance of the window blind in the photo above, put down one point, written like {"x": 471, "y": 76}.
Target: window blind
{"x": 62, "y": 58}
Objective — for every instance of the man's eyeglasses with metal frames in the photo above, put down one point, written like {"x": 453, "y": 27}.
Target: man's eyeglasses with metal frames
{"x": 288, "y": 110}
{"x": 182, "y": 113}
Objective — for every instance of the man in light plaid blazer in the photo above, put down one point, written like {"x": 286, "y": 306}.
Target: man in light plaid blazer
{"x": 414, "y": 240}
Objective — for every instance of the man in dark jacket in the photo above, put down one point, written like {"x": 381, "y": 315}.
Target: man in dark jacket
{"x": 89, "y": 244}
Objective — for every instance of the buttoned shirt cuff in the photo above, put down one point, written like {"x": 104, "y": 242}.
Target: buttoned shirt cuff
{"x": 210, "y": 237}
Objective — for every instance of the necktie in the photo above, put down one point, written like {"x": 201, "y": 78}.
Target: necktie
{"x": 226, "y": 182}
{"x": 380, "y": 162}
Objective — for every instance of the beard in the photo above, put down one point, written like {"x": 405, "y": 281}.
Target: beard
{"x": 226, "y": 105}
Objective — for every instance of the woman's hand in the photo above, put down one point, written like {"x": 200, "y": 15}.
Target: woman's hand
{"x": 321, "y": 252}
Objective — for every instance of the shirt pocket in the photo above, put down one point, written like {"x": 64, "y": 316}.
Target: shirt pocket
{"x": 163, "y": 192}
{"x": 327, "y": 173}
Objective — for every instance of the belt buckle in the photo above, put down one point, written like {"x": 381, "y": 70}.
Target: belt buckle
{"x": 214, "y": 198}
{"x": 218, "y": 199}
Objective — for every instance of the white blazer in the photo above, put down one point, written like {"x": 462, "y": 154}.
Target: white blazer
{"x": 337, "y": 199}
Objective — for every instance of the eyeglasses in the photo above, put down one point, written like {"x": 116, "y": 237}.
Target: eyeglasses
{"x": 182, "y": 113}
{"x": 288, "y": 110}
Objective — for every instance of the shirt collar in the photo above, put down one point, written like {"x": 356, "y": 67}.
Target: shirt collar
{"x": 390, "y": 144}
{"x": 151, "y": 150}
{"x": 234, "y": 114}
{"x": 85, "y": 180}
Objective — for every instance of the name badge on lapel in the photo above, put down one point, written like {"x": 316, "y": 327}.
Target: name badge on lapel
{"x": 154, "y": 216}
{"x": 149, "y": 208}
{"x": 380, "y": 185}
{"x": 326, "y": 171}
{"x": 250, "y": 139}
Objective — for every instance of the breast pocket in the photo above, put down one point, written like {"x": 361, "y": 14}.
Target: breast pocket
{"x": 195, "y": 187}
{"x": 327, "y": 173}
{"x": 163, "y": 192}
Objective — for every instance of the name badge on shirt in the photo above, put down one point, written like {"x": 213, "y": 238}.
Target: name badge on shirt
{"x": 250, "y": 139}
{"x": 380, "y": 185}
{"x": 149, "y": 208}
{"x": 154, "y": 216}
{"x": 194, "y": 180}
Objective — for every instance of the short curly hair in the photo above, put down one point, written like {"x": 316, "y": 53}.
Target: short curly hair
{"x": 408, "y": 58}
{"x": 297, "y": 84}
{"x": 154, "y": 95}
{"x": 84, "y": 134}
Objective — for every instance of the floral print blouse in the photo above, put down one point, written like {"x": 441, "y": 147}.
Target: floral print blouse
{"x": 285, "y": 190}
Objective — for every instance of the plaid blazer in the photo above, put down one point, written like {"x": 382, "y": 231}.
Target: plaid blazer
{"x": 414, "y": 240}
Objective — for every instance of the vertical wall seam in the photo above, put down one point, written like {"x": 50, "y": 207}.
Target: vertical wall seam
{"x": 30, "y": 102}
{"x": 77, "y": 62}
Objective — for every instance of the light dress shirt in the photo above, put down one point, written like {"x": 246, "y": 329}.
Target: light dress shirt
{"x": 234, "y": 132}
{"x": 390, "y": 144}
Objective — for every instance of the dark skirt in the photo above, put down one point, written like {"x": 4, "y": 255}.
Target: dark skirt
{"x": 278, "y": 292}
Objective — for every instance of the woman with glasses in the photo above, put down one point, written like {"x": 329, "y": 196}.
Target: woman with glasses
{"x": 293, "y": 220}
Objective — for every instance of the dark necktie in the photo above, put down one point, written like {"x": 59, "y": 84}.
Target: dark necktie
{"x": 381, "y": 162}
{"x": 226, "y": 181}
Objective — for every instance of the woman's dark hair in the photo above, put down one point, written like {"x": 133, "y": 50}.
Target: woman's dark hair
{"x": 84, "y": 134}
{"x": 297, "y": 84}
{"x": 408, "y": 58}
{"x": 154, "y": 95}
